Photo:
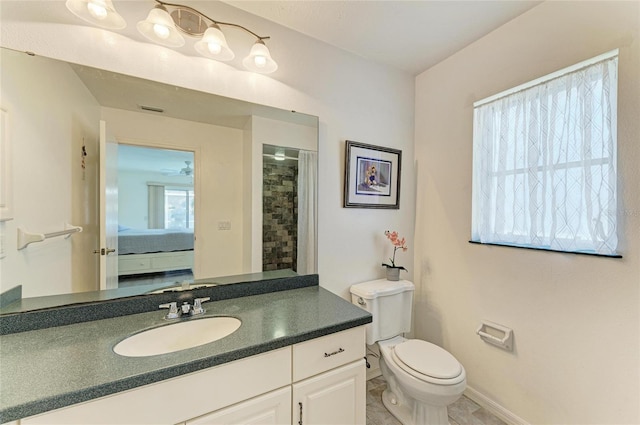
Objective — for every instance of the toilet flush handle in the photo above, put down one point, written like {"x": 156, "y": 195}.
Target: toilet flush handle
{"x": 361, "y": 301}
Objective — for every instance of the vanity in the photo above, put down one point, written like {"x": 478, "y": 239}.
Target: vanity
{"x": 298, "y": 357}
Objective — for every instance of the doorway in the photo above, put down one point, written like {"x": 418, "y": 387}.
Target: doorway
{"x": 156, "y": 215}
{"x": 279, "y": 208}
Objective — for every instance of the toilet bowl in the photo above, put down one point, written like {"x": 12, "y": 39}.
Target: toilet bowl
{"x": 422, "y": 380}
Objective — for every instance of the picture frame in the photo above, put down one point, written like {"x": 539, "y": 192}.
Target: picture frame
{"x": 372, "y": 176}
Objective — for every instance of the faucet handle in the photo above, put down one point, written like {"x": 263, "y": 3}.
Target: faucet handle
{"x": 174, "y": 313}
{"x": 197, "y": 305}
{"x": 186, "y": 308}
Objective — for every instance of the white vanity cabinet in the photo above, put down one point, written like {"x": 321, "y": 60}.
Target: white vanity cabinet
{"x": 329, "y": 377}
{"x": 336, "y": 397}
{"x": 176, "y": 400}
{"x": 325, "y": 375}
{"x": 273, "y": 408}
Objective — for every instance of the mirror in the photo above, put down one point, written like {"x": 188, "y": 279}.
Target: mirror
{"x": 51, "y": 125}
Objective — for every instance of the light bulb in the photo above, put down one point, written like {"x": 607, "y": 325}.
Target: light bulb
{"x": 214, "y": 48}
{"x": 161, "y": 31}
{"x": 260, "y": 61}
{"x": 214, "y": 45}
{"x": 160, "y": 28}
{"x": 96, "y": 10}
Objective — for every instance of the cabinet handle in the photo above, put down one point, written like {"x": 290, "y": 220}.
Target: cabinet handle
{"x": 300, "y": 421}
{"x": 338, "y": 351}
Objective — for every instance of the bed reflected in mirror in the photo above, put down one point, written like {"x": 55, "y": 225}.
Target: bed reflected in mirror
{"x": 156, "y": 215}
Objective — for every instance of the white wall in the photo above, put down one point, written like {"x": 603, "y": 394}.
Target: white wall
{"x": 133, "y": 195}
{"x": 284, "y": 134}
{"x": 217, "y": 159}
{"x": 576, "y": 318}
{"x": 49, "y": 185}
{"x": 354, "y": 98}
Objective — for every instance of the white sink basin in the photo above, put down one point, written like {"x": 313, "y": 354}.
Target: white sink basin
{"x": 177, "y": 336}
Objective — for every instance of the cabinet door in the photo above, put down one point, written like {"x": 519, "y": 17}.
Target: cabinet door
{"x": 273, "y": 408}
{"x": 336, "y": 397}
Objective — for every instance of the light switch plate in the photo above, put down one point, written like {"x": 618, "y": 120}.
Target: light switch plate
{"x": 224, "y": 225}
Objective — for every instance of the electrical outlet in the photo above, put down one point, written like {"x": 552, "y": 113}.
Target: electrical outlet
{"x": 224, "y": 225}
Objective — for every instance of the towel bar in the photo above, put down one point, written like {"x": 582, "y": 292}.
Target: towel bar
{"x": 26, "y": 238}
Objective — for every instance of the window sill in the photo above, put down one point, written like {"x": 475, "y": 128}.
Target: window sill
{"x": 592, "y": 254}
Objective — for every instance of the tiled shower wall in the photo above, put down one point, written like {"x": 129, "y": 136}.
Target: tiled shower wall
{"x": 280, "y": 215}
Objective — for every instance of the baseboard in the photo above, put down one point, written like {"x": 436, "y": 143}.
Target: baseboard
{"x": 373, "y": 373}
{"x": 493, "y": 407}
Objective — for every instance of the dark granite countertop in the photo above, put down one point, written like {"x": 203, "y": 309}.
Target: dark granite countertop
{"x": 46, "y": 369}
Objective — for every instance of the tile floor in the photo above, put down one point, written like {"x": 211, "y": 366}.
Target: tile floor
{"x": 462, "y": 412}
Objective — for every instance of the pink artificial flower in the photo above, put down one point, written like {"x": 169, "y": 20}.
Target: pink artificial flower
{"x": 397, "y": 244}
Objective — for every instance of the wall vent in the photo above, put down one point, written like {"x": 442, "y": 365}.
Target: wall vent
{"x": 151, "y": 108}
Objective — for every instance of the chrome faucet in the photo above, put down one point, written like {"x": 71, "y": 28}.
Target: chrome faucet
{"x": 185, "y": 308}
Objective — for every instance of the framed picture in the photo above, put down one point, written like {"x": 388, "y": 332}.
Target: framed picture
{"x": 372, "y": 176}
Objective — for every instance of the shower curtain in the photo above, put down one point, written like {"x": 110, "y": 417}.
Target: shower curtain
{"x": 307, "y": 212}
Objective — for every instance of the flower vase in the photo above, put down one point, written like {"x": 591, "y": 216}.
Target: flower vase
{"x": 393, "y": 273}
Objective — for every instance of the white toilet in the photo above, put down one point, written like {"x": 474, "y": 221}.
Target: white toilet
{"x": 422, "y": 378}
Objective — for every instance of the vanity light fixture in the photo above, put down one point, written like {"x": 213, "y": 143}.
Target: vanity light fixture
{"x": 166, "y": 23}
{"x": 160, "y": 28}
{"x": 170, "y": 18}
{"x": 212, "y": 43}
{"x": 97, "y": 12}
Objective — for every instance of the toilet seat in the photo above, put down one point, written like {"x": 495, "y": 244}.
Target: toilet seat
{"x": 428, "y": 362}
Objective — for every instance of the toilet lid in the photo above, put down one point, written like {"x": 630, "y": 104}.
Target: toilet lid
{"x": 428, "y": 359}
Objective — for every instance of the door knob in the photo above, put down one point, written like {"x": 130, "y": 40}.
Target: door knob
{"x": 104, "y": 251}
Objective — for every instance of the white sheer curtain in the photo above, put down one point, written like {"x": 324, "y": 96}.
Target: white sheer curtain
{"x": 156, "y": 206}
{"x": 307, "y": 211}
{"x": 544, "y": 163}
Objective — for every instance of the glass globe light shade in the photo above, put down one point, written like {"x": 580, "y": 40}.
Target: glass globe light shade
{"x": 97, "y": 12}
{"x": 259, "y": 59}
{"x": 160, "y": 28}
{"x": 214, "y": 45}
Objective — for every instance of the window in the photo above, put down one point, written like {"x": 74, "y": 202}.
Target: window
{"x": 178, "y": 208}
{"x": 544, "y": 162}
{"x": 171, "y": 207}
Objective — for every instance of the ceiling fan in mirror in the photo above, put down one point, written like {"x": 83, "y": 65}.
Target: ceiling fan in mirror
{"x": 187, "y": 170}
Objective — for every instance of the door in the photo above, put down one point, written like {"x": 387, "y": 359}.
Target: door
{"x": 273, "y": 408}
{"x": 336, "y": 397}
{"x": 108, "y": 249}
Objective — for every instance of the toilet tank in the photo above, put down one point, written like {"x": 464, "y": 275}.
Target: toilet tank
{"x": 389, "y": 303}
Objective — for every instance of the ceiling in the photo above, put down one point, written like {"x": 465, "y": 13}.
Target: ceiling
{"x": 120, "y": 91}
{"x": 166, "y": 161}
{"x": 407, "y": 35}
{"x": 170, "y": 162}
